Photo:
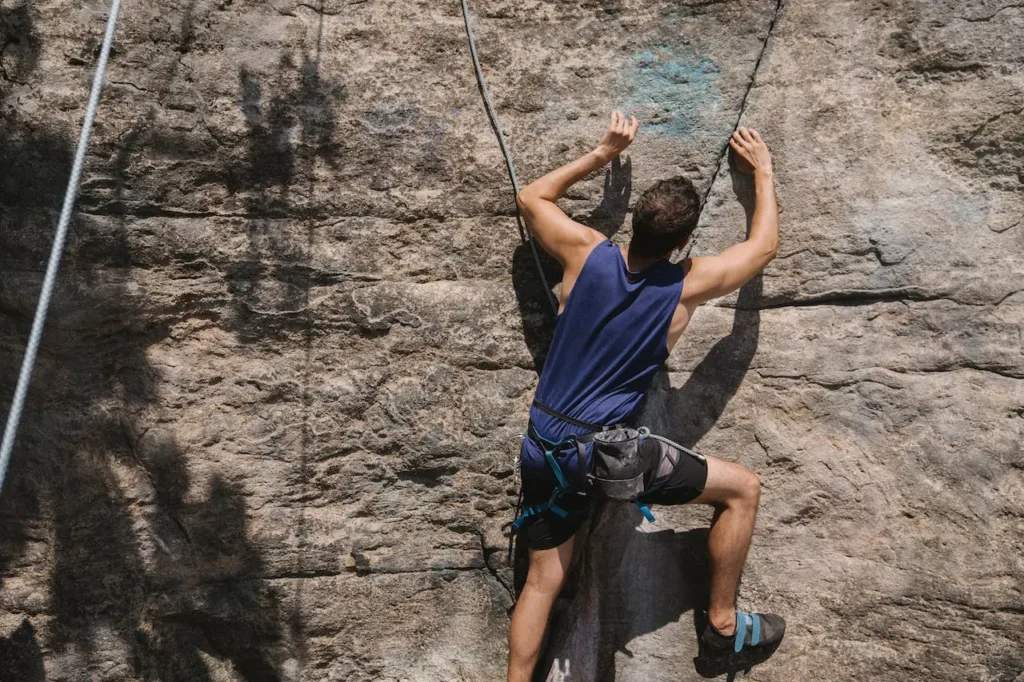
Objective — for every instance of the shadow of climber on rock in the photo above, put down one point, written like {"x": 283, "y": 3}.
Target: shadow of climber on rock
{"x": 688, "y": 413}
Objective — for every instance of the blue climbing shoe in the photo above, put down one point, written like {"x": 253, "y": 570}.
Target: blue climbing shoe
{"x": 757, "y": 637}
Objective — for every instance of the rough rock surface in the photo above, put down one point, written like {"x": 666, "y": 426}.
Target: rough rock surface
{"x": 268, "y": 436}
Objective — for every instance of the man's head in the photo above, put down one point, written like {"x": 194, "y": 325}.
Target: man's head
{"x": 664, "y": 217}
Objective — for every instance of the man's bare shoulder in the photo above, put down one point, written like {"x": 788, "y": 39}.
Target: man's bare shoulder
{"x": 701, "y": 276}
{"x": 577, "y": 253}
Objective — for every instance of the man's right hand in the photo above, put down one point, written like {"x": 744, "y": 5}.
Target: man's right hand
{"x": 713, "y": 276}
{"x": 752, "y": 155}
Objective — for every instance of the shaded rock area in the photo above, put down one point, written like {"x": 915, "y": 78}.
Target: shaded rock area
{"x": 271, "y": 429}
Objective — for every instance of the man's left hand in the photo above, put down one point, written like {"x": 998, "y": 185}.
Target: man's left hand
{"x": 620, "y": 134}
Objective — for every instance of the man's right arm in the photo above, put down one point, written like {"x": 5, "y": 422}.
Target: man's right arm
{"x": 714, "y": 276}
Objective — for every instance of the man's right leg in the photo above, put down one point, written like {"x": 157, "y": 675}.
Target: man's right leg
{"x": 544, "y": 580}
{"x": 735, "y": 492}
{"x": 726, "y": 645}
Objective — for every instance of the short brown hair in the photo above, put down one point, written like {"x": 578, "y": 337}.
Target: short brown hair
{"x": 664, "y": 217}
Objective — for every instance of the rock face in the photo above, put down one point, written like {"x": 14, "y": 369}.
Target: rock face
{"x": 271, "y": 426}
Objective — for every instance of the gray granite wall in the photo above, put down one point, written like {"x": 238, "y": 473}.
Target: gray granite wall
{"x": 268, "y": 437}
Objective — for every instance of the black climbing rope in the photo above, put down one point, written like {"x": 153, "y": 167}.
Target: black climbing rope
{"x": 524, "y": 232}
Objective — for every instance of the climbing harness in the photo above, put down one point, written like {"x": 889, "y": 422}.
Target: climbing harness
{"x": 563, "y": 485}
{"x": 617, "y": 470}
{"x": 28, "y": 362}
{"x": 524, "y": 232}
{"x": 618, "y": 467}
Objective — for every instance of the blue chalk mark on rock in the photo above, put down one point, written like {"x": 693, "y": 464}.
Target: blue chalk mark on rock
{"x": 646, "y": 59}
{"x": 671, "y": 95}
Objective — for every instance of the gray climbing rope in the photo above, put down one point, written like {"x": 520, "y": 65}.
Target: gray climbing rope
{"x": 496, "y": 125}
{"x": 27, "y": 364}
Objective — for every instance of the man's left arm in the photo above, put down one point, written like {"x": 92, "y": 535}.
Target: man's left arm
{"x": 561, "y": 236}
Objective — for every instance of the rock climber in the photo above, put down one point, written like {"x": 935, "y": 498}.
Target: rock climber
{"x": 622, "y": 310}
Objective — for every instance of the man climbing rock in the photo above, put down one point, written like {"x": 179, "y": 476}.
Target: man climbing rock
{"x": 622, "y": 310}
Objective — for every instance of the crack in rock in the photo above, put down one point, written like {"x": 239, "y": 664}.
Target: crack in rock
{"x": 743, "y": 102}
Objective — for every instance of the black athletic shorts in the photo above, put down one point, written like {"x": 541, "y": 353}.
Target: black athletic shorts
{"x": 673, "y": 477}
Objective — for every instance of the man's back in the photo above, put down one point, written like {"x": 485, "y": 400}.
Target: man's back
{"x": 609, "y": 341}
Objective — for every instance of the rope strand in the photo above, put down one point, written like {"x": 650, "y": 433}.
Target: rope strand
{"x": 496, "y": 125}
{"x": 56, "y": 251}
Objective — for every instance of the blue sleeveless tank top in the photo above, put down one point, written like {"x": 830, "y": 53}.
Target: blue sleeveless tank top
{"x": 609, "y": 342}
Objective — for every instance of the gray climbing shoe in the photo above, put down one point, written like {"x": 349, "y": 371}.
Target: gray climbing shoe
{"x": 757, "y": 637}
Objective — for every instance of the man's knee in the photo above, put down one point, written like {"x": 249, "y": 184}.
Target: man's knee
{"x": 749, "y": 488}
{"x": 743, "y": 488}
{"x": 730, "y": 484}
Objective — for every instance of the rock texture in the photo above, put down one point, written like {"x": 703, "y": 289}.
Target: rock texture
{"x": 269, "y": 432}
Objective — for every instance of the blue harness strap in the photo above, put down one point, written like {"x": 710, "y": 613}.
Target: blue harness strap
{"x": 645, "y": 510}
{"x": 562, "y": 487}
{"x": 549, "y": 455}
{"x": 550, "y": 506}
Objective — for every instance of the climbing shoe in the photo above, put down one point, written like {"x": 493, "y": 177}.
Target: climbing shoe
{"x": 757, "y": 637}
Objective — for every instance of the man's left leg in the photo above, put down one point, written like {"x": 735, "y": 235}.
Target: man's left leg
{"x": 544, "y": 581}
{"x": 735, "y": 492}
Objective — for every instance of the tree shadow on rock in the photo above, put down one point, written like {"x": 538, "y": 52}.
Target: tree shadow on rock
{"x": 34, "y": 165}
{"x": 146, "y": 136}
{"x": 135, "y": 541}
{"x": 22, "y": 658}
{"x": 140, "y": 549}
{"x": 217, "y": 605}
{"x": 33, "y": 162}
{"x": 19, "y": 44}
{"x": 271, "y": 286}
{"x": 145, "y": 559}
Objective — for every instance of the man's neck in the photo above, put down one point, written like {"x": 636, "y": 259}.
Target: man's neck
{"x": 638, "y": 263}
